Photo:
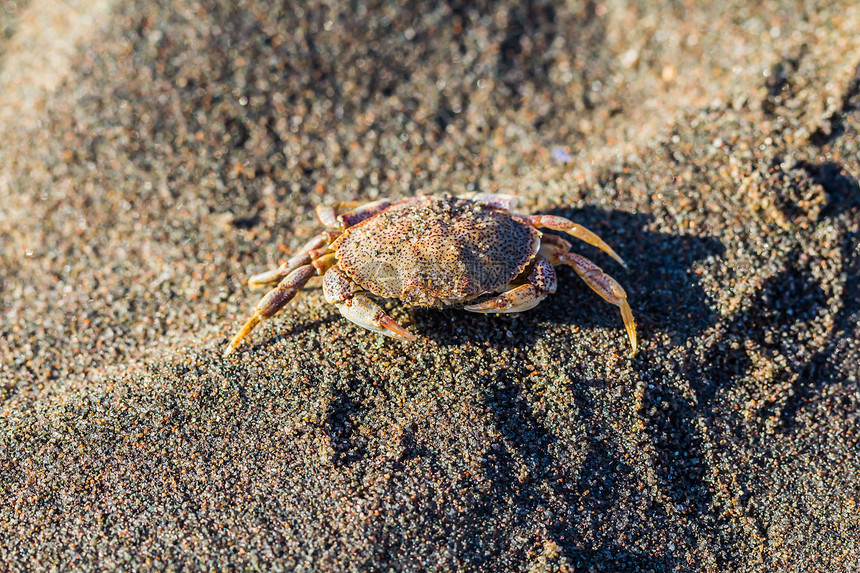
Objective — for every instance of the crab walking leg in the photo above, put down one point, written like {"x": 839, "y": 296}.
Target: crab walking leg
{"x": 561, "y": 224}
{"x": 275, "y": 299}
{"x": 340, "y": 291}
{"x": 327, "y": 214}
{"x": 276, "y": 275}
{"x": 605, "y": 286}
{"x": 540, "y": 281}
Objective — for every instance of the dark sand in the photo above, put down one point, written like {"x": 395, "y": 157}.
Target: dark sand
{"x": 184, "y": 145}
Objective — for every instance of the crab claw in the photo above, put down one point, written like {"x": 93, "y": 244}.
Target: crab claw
{"x": 367, "y": 314}
{"x": 355, "y": 307}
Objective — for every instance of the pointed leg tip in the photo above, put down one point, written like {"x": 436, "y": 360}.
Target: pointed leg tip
{"x": 254, "y": 283}
{"x": 630, "y": 326}
{"x": 242, "y": 334}
{"x": 619, "y": 260}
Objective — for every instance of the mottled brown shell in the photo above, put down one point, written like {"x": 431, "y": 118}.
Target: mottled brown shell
{"x": 437, "y": 250}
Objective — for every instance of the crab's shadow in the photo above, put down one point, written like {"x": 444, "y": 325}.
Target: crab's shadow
{"x": 661, "y": 286}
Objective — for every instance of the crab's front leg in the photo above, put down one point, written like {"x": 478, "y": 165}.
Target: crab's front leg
{"x": 342, "y": 292}
{"x": 540, "y": 281}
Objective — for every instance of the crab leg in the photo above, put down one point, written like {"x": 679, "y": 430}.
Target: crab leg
{"x": 354, "y": 306}
{"x": 278, "y": 297}
{"x": 605, "y": 286}
{"x": 328, "y": 216}
{"x": 540, "y": 281}
{"x": 276, "y": 275}
{"x": 561, "y": 224}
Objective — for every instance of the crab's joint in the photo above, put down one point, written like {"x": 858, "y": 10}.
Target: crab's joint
{"x": 324, "y": 263}
{"x": 363, "y": 212}
{"x": 328, "y": 214}
{"x": 275, "y": 299}
{"x": 309, "y": 251}
{"x": 274, "y": 276}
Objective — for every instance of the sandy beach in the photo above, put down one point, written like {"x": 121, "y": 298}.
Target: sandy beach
{"x": 153, "y": 155}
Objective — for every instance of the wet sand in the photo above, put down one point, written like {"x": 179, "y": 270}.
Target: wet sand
{"x": 182, "y": 146}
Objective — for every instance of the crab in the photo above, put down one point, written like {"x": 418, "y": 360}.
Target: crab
{"x": 434, "y": 251}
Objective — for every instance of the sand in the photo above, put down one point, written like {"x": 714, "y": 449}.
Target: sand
{"x": 155, "y": 154}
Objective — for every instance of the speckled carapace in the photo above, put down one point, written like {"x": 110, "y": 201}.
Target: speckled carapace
{"x": 437, "y": 250}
